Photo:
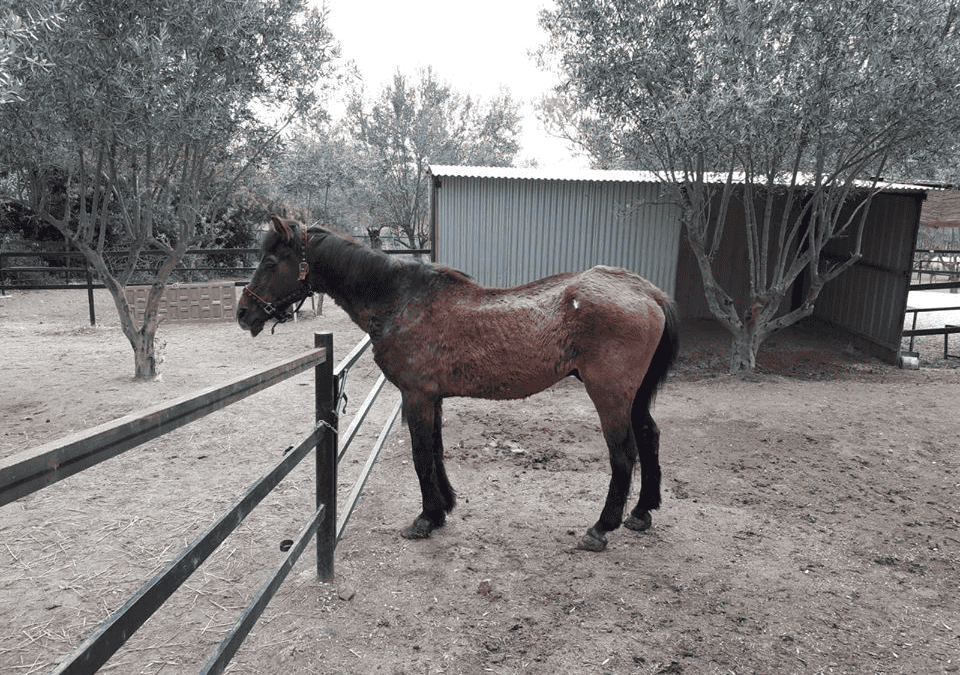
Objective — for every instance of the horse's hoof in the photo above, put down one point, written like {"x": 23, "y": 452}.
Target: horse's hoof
{"x": 420, "y": 529}
{"x": 639, "y": 523}
{"x": 592, "y": 541}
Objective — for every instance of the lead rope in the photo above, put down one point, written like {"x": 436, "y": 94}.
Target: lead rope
{"x": 340, "y": 406}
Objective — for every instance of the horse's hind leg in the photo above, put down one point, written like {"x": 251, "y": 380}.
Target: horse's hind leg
{"x": 623, "y": 454}
{"x": 424, "y": 420}
{"x": 647, "y": 435}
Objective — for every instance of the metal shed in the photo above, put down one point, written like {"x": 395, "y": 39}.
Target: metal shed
{"x": 506, "y": 226}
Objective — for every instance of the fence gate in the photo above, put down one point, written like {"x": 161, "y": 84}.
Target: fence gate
{"x": 32, "y": 470}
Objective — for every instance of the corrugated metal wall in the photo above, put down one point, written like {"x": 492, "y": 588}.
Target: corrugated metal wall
{"x": 869, "y": 299}
{"x": 505, "y": 231}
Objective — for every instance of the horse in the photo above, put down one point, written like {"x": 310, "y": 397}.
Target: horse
{"x": 436, "y": 333}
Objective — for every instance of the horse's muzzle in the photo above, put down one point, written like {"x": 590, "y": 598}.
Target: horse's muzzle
{"x": 243, "y": 319}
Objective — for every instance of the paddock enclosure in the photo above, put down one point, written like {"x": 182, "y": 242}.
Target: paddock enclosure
{"x": 811, "y": 518}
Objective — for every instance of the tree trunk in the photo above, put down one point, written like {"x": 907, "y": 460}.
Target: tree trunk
{"x": 141, "y": 339}
{"x": 144, "y": 357}
{"x": 770, "y": 282}
{"x": 746, "y": 344}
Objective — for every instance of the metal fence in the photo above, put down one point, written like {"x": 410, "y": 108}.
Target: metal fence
{"x": 32, "y": 470}
{"x": 76, "y": 275}
{"x": 942, "y": 269}
{"x": 70, "y": 271}
{"x": 940, "y": 266}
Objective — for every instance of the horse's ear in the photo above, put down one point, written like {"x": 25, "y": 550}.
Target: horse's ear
{"x": 282, "y": 228}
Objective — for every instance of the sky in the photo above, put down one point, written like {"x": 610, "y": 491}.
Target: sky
{"x": 478, "y": 47}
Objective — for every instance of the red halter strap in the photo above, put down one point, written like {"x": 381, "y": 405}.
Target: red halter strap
{"x": 304, "y": 267}
{"x": 303, "y": 291}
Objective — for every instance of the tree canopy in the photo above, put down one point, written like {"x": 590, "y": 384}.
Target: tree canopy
{"x": 413, "y": 123}
{"x": 145, "y": 119}
{"x": 762, "y": 100}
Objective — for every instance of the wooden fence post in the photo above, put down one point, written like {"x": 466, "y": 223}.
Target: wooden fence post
{"x": 326, "y": 415}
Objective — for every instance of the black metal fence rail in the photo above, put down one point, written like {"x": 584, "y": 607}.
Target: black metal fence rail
{"x": 930, "y": 262}
{"x": 78, "y": 274}
{"x": 83, "y": 278}
{"x": 923, "y": 263}
{"x": 34, "y": 469}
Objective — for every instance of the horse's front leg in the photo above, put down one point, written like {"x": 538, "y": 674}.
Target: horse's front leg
{"x": 424, "y": 418}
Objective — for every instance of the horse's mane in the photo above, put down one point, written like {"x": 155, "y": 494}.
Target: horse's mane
{"x": 357, "y": 270}
{"x": 354, "y": 268}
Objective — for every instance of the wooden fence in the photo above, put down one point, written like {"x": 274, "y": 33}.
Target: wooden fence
{"x": 32, "y": 470}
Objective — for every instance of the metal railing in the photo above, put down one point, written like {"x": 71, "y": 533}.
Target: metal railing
{"x": 333, "y": 527}
{"x": 32, "y": 470}
{"x": 35, "y": 469}
{"x": 79, "y": 276}
{"x": 931, "y": 262}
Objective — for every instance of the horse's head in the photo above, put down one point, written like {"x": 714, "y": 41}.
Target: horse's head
{"x": 281, "y": 278}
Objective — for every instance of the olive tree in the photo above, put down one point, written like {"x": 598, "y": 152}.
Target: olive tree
{"x": 413, "y": 123}
{"x": 791, "y": 107}
{"x": 23, "y": 26}
{"x": 146, "y": 119}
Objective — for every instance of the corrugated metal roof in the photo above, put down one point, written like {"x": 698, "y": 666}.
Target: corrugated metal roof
{"x": 592, "y": 175}
{"x": 617, "y": 176}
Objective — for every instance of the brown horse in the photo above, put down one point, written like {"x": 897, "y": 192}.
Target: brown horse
{"x": 436, "y": 333}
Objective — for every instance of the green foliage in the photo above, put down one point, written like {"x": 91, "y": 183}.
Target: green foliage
{"x": 762, "y": 101}
{"x": 23, "y": 27}
{"x": 412, "y": 124}
{"x": 154, "y": 111}
{"x": 761, "y": 82}
{"x": 319, "y": 171}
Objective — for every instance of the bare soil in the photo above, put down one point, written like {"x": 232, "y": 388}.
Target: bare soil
{"x": 811, "y": 516}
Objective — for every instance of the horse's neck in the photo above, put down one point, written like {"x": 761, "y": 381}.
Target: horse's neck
{"x": 362, "y": 283}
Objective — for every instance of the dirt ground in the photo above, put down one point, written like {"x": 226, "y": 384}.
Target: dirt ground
{"x": 810, "y": 524}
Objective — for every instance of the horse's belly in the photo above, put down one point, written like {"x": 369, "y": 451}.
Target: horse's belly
{"x": 503, "y": 374}
{"x": 470, "y": 361}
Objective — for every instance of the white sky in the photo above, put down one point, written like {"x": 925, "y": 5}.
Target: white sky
{"x": 475, "y": 46}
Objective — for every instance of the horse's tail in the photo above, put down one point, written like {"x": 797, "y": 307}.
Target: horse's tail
{"x": 664, "y": 356}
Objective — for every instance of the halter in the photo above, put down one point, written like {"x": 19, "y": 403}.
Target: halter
{"x": 301, "y": 293}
